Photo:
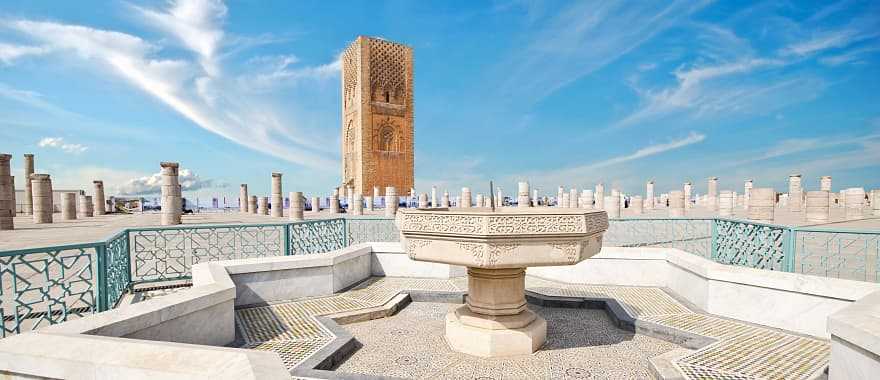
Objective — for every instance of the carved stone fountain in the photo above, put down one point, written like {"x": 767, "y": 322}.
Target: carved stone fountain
{"x": 497, "y": 247}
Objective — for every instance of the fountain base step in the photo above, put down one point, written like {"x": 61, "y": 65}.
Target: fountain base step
{"x": 463, "y": 336}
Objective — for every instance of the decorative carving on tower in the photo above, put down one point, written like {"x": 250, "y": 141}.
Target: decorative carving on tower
{"x": 377, "y": 115}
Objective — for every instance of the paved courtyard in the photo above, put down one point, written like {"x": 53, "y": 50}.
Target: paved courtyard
{"x": 582, "y": 344}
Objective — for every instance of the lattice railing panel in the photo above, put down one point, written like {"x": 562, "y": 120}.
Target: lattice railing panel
{"x": 317, "y": 236}
{"x": 118, "y": 268}
{"x": 691, "y": 235}
{"x": 752, "y": 245}
{"x": 46, "y": 286}
{"x": 372, "y": 230}
{"x": 166, "y": 254}
{"x": 849, "y": 255}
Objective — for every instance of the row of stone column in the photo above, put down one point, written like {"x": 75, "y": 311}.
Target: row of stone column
{"x": 39, "y": 201}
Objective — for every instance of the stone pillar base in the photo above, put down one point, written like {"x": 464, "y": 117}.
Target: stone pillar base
{"x": 495, "y": 336}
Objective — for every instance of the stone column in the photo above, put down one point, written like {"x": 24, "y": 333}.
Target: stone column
{"x": 664, "y": 200}
{"x": 375, "y": 192}
{"x": 252, "y": 204}
{"x": 600, "y": 197}
{"x": 612, "y": 206}
{"x": 334, "y": 202}
{"x": 588, "y": 199}
{"x": 817, "y": 206}
{"x": 391, "y": 201}
{"x": 369, "y": 201}
{"x": 676, "y": 203}
{"x": 68, "y": 206}
{"x": 762, "y": 204}
{"x": 726, "y": 203}
{"x": 100, "y": 202}
{"x": 479, "y": 201}
{"x": 795, "y": 193}
{"x": 559, "y": 192}
{"x": 423, "y": 200}
{"x": 277, "y": 198}
{"x": 854, "y": 201}
{"x": 875, "y": 202}
{"x": 171, "y": 203}
{"x": 573, "y": 198}
{"x": 263, "y": 205}
{"x": 43, "y": 204}
{"x": 433, "y": 196}
{"x": 522, "y": 195}
{"x": 444, "y": 201}
{"x": 86, "y": 208}
{"x": 7, "y": 193}
{"x": 712, "y": 193}
{"x": 28, "y": 187}
{"x": 747, "y": 193}
{"x": 649, "y": 195}
{"x": 465, "y": 200}
{"x": 825, "y": 183}
{"x": 688, "y": 192}
{"x": 316, "y": 204}
{"x": 296, "y": 205}
{"x": 357, "y": 204}
{"x": 535, "y": 198}
{"x": 636, "y": 205}
{"x": 243, "y": 198}
{"x": 349, "y": 195}
{"x": 566, "y": 200}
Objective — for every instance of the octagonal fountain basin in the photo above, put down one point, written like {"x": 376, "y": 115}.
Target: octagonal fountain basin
{"x": 497, "y": 247}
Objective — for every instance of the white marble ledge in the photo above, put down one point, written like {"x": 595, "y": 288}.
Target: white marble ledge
{"x": 138, "y": 316}
{"x": 847, "y": 290}
{"x": 859, "y": 323}
{"x": 277, "y": 263}
{"x": 386, "y": 247}
{"x": 634, "y": 253}
{"x": 95, "y": 357}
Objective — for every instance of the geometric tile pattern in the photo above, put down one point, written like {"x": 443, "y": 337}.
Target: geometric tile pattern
{"x": 291, "y": 329}
{"x": 741, "y": 350}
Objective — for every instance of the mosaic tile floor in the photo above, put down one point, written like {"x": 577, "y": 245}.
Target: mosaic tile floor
{"x": 581, "y": 344}
{"x": 742, "y": 351}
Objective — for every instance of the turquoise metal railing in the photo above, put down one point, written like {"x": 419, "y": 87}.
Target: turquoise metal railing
{"x": 751, "y": 244}
{"x": 42, "y": 286}
{"x": 693, "y": 235}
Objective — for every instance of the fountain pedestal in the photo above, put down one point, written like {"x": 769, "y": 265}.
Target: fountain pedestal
{"x": 497, "y": 247}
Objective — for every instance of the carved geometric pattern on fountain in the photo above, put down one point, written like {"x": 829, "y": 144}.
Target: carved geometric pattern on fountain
{"x": 505, "y": 225}
{"x": 571, "y": 250}
{"x": 412, "y": 245}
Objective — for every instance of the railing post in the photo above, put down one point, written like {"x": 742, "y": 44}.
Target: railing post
{"x": 713, "y": 246}
{"x": 789, "y": 250}
{"x": 344, "y": 232}
{"x": 286, "y": 235}
{"x": 101, "y": 276}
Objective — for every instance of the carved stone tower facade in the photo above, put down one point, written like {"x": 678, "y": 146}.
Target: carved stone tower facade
{"x": 377, "y": 115}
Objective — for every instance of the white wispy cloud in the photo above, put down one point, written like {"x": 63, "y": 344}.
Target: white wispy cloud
{"x": 650, "y": 150}
{"x": 849, "y": 56}
{"x": 152, "y": 184}
{"x": 788, "y": 147}
{"x": 10, "y": 53}
{"x": 829, "y": 40}
{"x": 198, "y": 91}
{"x": 280, "y": 70}
{"x": 33, "y": 99}
{"x": 583, "y": 38}
{"x": 698, "y": 90}
{"x": 58, "y": 143}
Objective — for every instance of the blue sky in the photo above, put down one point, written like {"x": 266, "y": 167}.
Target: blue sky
{"x": 557, "y": 93}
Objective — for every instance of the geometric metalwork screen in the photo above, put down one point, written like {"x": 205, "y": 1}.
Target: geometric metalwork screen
{"x": 116, "y": 263}
{"x": 317, "y": 236}
{"x": 169, "y": 253}
{"x": 753, "y": 245}
{"x": 852, "y": 255}
{"x": 44, "y": 286}
{"x": 690, "y": 235}
{"x": 363, "y": 230}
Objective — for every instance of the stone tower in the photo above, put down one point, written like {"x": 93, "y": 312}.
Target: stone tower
{"x": 377, "y": 115}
